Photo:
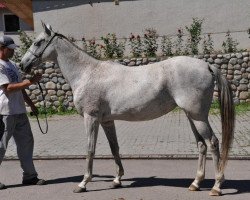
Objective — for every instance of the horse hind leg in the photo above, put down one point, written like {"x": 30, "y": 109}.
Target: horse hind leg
{"x": 109, "y": 129}
{"x": 205, "y": 131}
{"x": 202, "y": 148}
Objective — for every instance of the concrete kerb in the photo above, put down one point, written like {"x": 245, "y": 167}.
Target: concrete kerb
{"x": 129, "y": 157}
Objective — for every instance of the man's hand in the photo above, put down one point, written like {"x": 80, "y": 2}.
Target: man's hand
{"x": 36, "y": 78}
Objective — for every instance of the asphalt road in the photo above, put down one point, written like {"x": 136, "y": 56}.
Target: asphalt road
{"x": 143, "y": 180}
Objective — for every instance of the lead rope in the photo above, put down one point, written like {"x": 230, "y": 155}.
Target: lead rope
{"x": 45, "y": 113}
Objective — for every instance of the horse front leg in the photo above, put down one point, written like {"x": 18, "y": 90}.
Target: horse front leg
{"x": 109, "y": 129}
{"x": 91, "y": 127}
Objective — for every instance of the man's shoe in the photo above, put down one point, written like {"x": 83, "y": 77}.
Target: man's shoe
{"x": 34, "y": 181}
{"x": 2, "y": 186}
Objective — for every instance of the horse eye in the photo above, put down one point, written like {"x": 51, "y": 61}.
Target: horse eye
{"x": 38, "y": 43}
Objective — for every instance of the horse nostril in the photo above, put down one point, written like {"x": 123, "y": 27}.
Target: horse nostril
{"x": 21, "y": 66}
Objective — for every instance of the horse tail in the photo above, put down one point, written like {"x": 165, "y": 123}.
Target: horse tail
{"x": 225, "y": 97}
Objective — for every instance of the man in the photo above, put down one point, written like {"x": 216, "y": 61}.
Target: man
{"x": 13, "y": 119}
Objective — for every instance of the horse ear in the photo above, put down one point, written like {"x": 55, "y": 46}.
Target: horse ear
{"x": 48, "y": 29}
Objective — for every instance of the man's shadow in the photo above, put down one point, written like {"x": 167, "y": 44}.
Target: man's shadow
{"x": 241, "y": 186}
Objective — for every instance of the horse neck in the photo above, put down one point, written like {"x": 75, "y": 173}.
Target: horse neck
{"x": 73, "y": 62}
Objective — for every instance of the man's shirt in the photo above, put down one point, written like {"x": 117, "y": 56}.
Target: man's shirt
{"x": 11, "y": 103}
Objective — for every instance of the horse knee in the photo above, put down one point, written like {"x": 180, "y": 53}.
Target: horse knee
{"x": 202, "y": 148}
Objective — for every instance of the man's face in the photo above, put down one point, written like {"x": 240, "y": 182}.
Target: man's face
{"x": 8, "y": 52}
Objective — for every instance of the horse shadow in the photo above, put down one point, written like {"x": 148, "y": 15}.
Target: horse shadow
{"x": 241, "y": 186}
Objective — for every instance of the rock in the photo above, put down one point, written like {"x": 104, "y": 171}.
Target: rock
{"x": 58, "y": 86}
{"x": 138, "y": 63}
{"x": 246, "y": 59}
{"x": 230, "y": 77}
{"x": 54, "y": 98}
{"x": 61, "y": 80}
{"x": 66, "y": 87}
{"x": 233, "y": 61}
{"x": 49, "y": 71}
{"x": 244, "y": 81}
{"x": 243, "y": 70}
{"x": 237, "y": 77}
{"x": 230, "y": 66}
{"x": 245, "y": 54}
{"x": 245, "y": 75}
{"x": 60, "y": 93}
{"x": 54, "y": 79}
{"x": 238, "y": 55}
{"x": 237, "y": 72}
{"x": 152, "y": 60}
{"x": 50, "y": 86}
{"x": 244, "y": 95}
{"x": 27, "y": 91}
{"x": 36, "y": 91}
{"x": 32, "y": 96}
{"x": 49, "y": 65}
{"x": 56, "y": 103}
{"x": 244, "y": 65}
{"x": 210, "y": 60}
{"x": 131, "y": 64}
{"x": 126, "y": 61}
{"x": 238, "y": 67}
{"x": 227, "y": 56}
{"x": 213, "y": 56}
{"x": 240, "y": 61}
{"x": 223, "y": 66}
{"x": 51, "y": 92}
{"x": 32, "y": 87}
{"x": 242, "y": 87}
{"x": 144, "y": 61}
{"x": 230, "y": 72}
{"x": 217, "y": 61}
{"x": 69, "y": 93}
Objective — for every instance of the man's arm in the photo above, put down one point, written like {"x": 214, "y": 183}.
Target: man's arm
{"x": 11, "y": 87}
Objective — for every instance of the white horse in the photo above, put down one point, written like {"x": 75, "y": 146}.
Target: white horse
{"x": 105, "y": 91}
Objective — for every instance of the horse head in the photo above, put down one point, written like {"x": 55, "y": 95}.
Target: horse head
{"x": 41, "y": 50}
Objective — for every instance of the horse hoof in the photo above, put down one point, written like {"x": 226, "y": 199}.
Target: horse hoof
{"x": 79, "y": 190}
{"x": 116, "y": 185}
{"x": 193, "y": 188}
{"x": 214, "y": 192}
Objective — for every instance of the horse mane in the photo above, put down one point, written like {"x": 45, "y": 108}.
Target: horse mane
{"x": 76, "y": 46}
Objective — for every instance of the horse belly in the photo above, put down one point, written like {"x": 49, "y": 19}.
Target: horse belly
{"x": 142, "y": 113}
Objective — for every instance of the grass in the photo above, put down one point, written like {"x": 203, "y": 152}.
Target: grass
{"x": 51, "y": 112}
{"x": 215, "y": 108}
{"x": 239, "y": 109}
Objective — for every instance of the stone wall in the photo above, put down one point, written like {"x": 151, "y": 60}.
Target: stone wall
{"x": 235, "y": 66}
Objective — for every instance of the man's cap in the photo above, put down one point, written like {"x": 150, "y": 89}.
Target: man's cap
{"x": 8, "y": 42}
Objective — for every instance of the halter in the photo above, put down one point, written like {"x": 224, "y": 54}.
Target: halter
{"x": 38, "y": 56}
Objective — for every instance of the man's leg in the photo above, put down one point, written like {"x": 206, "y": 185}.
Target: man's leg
{"x": 25, "y": 145}
{"x": 7, "y": 124}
